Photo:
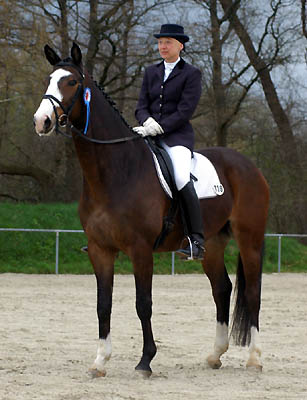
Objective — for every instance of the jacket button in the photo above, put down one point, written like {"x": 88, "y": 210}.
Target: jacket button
{"x": 160, "y": 105}
{"x": 161, "y": 96}
{"x": 161, "y": 86}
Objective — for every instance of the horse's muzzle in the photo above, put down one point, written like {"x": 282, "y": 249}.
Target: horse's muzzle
{"x": 42, "y": 125}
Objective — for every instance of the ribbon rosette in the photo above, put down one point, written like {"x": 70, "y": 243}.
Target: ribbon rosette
{"x": 87, "y": 100}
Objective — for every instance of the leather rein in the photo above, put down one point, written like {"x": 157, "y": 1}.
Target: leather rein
{"x": 62, "y": 120}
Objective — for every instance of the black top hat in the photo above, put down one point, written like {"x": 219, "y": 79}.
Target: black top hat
{"x": 174, "y": 31}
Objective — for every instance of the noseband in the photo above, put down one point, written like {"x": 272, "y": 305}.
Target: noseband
{"x": 62, "y": 120}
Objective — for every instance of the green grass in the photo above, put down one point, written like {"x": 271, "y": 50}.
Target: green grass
{"x": 34, "y": 252}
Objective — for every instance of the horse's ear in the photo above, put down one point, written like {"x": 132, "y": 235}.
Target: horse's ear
{"x": 51, "y": 55}
{"x": 76, "y": 54}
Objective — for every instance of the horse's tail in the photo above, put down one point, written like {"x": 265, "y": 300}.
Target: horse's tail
{"x": 241, "y": 320}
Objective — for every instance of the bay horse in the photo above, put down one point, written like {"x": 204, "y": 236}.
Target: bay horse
{"x": 122, "y": 208}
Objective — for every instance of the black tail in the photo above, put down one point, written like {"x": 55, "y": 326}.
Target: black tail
{"x": 241, "y": 320}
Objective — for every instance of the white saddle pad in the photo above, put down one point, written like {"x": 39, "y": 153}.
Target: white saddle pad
{"x": 208, "y": 183}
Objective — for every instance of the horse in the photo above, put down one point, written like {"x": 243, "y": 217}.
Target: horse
{"x": 122, "y": 207}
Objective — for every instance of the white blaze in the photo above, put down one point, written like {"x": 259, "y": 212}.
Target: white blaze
{"x": 46, "y": 109}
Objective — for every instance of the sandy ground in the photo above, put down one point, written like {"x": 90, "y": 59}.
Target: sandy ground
{"x": 48, "y": 331}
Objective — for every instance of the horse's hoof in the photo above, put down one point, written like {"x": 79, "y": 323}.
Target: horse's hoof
{"x": 144, "y": 370}
{"x": 96, "y": 373}
{"x": 252, "y": 366}
{"x": 144, "y": 373}
{"x": 213, "y": 362}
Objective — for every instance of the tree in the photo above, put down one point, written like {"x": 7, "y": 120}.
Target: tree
{"x": 263, "y": 69}
{"x": 227, "y": 100}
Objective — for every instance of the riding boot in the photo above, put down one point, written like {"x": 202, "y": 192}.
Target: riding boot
{"x": 192, "y": 213}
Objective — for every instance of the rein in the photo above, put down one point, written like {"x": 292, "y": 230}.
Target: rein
{"x": 61, "y": 121}
{"x": 110, "y": 141}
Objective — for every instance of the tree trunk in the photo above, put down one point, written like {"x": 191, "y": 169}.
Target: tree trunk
{"x": 217, "y": 81}
{"x": 64, "y": 28}
{"x": 93, "y": 43}
{"x": 127, "y": 10}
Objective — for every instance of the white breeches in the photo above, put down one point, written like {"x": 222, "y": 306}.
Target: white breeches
{"x": 181, "y": 159}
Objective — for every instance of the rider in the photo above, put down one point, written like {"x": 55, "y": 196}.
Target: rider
{"x": 169, "y": 95}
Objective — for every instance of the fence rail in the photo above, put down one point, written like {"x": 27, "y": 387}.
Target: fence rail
{"x": 57, "y": 238}
{"x": 281, "y": 235}
{"x": 58, "y": 231}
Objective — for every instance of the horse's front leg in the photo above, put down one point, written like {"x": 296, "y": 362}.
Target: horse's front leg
{"x": 103, "y": 264}
{"x": 143, "y": 270}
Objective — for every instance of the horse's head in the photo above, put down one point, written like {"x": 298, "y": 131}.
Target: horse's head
{"x": 63, "y": 94}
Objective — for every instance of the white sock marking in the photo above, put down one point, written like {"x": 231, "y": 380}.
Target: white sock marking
{"x": 254, "y": 345}
{"x": 104, "y": 352}
{"x": 221, "y": 339}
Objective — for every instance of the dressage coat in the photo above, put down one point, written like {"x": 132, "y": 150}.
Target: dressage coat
{"x": 171, "y": 103}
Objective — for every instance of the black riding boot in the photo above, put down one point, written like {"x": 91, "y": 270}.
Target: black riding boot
{"x": 192, "y": 212}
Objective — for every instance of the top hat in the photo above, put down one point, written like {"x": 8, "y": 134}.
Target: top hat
{"x": 174, "y": 31}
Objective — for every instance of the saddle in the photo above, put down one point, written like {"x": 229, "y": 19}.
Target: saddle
{"x": 207, "y": 187}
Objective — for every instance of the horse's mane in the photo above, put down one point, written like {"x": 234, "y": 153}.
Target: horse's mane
{"x": 112, "y": 104}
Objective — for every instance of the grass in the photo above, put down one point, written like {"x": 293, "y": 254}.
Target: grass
{"x": 34, "y": 252}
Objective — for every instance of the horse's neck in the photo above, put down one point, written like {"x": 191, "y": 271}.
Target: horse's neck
{"x": 110, "y": 170}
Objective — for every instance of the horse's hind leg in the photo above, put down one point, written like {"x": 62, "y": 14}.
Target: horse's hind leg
{"x": 143, "y": 269}
{"x": 103, "y": 264}
{"x": 245, "y": 328}
{"x": 214, "y": 268}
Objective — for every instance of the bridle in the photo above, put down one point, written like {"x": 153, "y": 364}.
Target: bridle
{"x": 63, "y": 119}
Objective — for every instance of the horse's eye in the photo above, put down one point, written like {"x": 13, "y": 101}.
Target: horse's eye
{"x": 72, "y": 82}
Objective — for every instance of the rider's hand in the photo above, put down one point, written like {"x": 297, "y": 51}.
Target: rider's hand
{"x": 152, "y": 127}
{"x": 140, "y": 130}
{"x": 149, "y": 128}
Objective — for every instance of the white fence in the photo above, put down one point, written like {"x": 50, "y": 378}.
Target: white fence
{"x": 58, "y": 231}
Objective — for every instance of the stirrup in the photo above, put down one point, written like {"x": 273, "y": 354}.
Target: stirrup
{"x": 192, "y": 256}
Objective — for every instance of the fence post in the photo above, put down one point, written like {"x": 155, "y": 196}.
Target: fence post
{"x": 57, "y": 252}
{"x": 173, "y": 263}
{"x": 279, "y": 252}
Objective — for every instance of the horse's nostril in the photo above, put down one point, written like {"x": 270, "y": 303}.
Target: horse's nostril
{"x": 47, "y": 124}
{"x": 34, "y": 121}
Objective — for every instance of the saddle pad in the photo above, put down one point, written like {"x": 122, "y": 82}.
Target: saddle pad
{"x": 208, "y": 183}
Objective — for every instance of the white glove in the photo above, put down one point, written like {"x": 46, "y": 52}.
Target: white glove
{"x": 149, "y": 128}
{"x": 153, "y": 127}
{"x": 140, "y": 130}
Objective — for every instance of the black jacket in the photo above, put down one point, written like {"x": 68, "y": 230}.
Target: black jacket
{"x": 171, "y": 103}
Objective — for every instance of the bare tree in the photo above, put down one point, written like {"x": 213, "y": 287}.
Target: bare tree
{"x": 224, "y": 110}
{"x": 263, "y": 69}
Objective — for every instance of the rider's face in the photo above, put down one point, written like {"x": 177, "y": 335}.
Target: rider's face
{"x": 169, "y": 48}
